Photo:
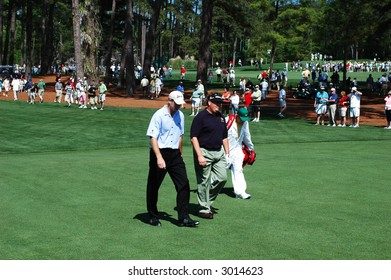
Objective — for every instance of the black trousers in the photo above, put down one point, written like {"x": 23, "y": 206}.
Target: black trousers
{"x": 176, "y": 168}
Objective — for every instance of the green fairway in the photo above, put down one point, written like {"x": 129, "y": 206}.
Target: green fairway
{"x": 73, "y": 187}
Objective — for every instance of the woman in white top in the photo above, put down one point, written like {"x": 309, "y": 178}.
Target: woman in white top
{"x": 235, "y": 99}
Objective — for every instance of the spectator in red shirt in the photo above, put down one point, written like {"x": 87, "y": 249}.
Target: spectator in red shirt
{"x": 343, "y": 102}
{"x": 183, "y": 72}
{"x": 248, "y": 101}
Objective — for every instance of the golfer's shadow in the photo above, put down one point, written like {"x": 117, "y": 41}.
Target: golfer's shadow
{"x": 163, "y": 216}
{"x": 227, "y": 191}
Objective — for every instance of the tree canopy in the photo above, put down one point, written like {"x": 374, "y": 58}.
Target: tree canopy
{"x": 41, "y": 32}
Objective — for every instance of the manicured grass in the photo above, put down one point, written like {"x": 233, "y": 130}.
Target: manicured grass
{"x": 73, "y": 187}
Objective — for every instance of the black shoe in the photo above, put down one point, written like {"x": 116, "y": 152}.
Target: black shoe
{"x": 187, "y": 222}
{"x": 155, "y": 222}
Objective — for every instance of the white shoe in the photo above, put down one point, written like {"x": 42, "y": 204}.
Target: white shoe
{"x": 333, "y": 125}
{"x": 351, "y": 125}
{"x": 356, "y": 126}
{"x": 191, "y": 115}
{"x": 344, "y": 125}
{"x": 340, "y": 125}
{"x": 329, "y": 125}
{"x": 243, "y": 196}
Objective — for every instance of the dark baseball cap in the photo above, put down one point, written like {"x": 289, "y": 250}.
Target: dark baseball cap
{"x": 215, "y": 98}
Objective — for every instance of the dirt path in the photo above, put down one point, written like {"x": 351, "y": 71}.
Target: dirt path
{"x": 372, "y": 107}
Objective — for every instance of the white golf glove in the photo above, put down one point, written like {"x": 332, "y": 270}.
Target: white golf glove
{"x": 228, "y": 161}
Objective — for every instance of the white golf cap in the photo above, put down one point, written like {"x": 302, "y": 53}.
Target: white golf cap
{"x": 177, "y": 97}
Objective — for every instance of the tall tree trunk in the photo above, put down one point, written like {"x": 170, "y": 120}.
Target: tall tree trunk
{"x": 345, "y": 60}
{"x": 1, "y": 31}
{"x": 143, "y": 38}
{"x": 48, "y": 48}
{"x": 12, "y": 35}
{"x": 109, "y": 46}
{"x": 123, "y": 69}
{"x": 44, "y": 12}
{"x": 29, "y": 37}
{"x": 149, "y": 50}
{"x": 130, "y": 79}
{"x": 234, "y": 51}
{"x": 204, "y": 55}
{"x": 91, "y": 39}
{"x": 272, "y": 56}
{"x": 223, "y": 62}
{"x": 23, "y": 33}
{"x": 77, "y": 37}
{"x": 7, "y": 33}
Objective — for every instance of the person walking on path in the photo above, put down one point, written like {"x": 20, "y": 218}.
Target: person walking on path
{"x": 165, "y": 132}
{"x": 282, "y": 99}
{"x": 387, "y": 109}
{"x": 355, "y": 100}
{"x": 41, "y": 90}
{"x": 102, "y": 94}
{"x": 58, "y": 87}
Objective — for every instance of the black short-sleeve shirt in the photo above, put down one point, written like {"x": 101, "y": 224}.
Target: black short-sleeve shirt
{"x": 209, "y": 129}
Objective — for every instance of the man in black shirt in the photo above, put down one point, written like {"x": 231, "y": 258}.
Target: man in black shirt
{"x": 209, "y": 137}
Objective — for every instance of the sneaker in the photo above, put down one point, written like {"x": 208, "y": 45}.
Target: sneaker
{"x": 333, "y": 125}
{"x": 191, "y": 114}
{"x": 329, "y": 125}
{"x": 356, "y": 126}
{"x": 387, "y": 127}
{"x": 243, "y": 196}
{"x": 101, "y": 109}
{"x": 351, "y": 125}
{"x": 340, "y": 125}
